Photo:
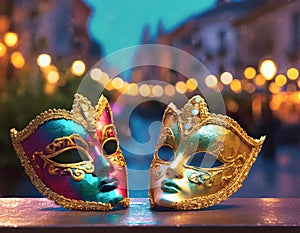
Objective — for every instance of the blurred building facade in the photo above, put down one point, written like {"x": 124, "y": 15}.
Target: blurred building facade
{"x": 57, "y": 28}
{"x": 235, "y": 36}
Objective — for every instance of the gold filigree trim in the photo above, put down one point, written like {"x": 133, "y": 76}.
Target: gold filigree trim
{"x": 83, "y": 112}
{"x": 60, "y": 145}
{"x": 101, "y": 106}
{"x": 125, "y": 202}
{"x": 117, "y": 159}
{"x": 192, "y": 117}
{"x": 18, "y": 137}
{"x": 108, "y": 131}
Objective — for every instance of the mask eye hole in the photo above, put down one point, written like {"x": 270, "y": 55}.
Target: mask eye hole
{"x": 166, "y": 153}
{"x": 69, "y": 157}
{"x": 110, "y": 147}
{"x": 204, "y": 160}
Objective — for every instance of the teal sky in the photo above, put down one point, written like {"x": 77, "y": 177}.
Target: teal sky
{"x": 118, "y": 24}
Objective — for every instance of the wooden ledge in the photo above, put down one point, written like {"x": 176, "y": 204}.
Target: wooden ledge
{"x": 233, "y": 215}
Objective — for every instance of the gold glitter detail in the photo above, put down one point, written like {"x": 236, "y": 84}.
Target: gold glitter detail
{"x": 60, "y": 145}
{"x": 237, "y": 151}
{"x": 83, "y": 113}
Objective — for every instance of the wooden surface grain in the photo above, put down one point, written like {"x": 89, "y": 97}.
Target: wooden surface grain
{"x": 232, "y": 215}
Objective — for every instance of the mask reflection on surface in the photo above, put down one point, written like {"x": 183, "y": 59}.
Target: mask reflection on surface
{"x": 201, "y": 159}
{"x": 74, "y": 158}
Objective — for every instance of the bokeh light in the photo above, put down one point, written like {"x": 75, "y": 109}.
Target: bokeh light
{"x": 117, "y": 83}
{"x": 157, "y": 91}
{"x": 236, "y": 86}
{"x": 211, "y": 81}
{"x": 280, "y": 80}
{"x": 232, "y": 105}
{"x": 78, "y": 68}
{"x": 43, "y": 60}
{"x": 2, "y": 49}
{"x": 133, "y": 89}
{"x": 145, "y": 90}
{"x": 17, "y": 60}
{"x": 181, "y": 87}
{"x": 52, "y": 77}
{"x": 274, "y": 88}
{"x": 108, "y": 86}
{"x": 249, "y": 73}
{"x": 268, "y": 69}
{"x": 96, "y": 74}
{"x": 292, "y": 73}
{"x": 11, "y": 39}
{"x": 192, "y": 84}
{"x": 104, "y": 79}
{"x": 169, "y": 90}
{"x": 249, "y": 87}
{"x": 259, "y": 80}
{"x": 226, "y": 78}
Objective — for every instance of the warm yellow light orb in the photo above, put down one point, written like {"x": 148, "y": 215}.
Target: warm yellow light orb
{"x": 249, "y": 73}
{"x": 108, "y": 86}
{"x": 104, "y": 78}
{"x": 133, "y": 89}
{"x": 169, "y": 90}
{"x": 43, "y": 60}
{"x": 280, "y": 80}
{"x": 2, "y": 49}
{"x": 259, "y": 80}
{"x": 226, "y": 78}
{"x": 117, "y": 83}
{"x": 78, "y": 68}
{"x": 268, "y": 69}
{"x": 273, "y": 88}
{"x": 157, "y": 91}
{"x": 144, "y": 90}
{"x": 17, "y": 60}
{"x": 192, "y": 84}
{"x": 96, "y": 74}
{"x": 236, "y": 85}
{"x": 211, "y": 81}
{"x": 292, "y": 73}
{"x": 52, "y": 77}
{"x": 181, "y": 87}
{"x": 11, "y": 39}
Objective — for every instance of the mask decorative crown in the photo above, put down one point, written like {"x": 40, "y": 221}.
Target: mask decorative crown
{"x": 200, "y": 159}
{"x": 74, "y": 157}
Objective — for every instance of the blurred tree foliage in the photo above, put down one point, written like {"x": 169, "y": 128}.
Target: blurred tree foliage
{"x": 22, "y": 102}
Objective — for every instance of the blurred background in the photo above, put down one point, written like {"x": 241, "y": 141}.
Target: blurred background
{"x": 250, "y": 47}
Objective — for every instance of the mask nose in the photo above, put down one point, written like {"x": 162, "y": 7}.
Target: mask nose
{"x": 176, "y": 169}
{"x": 103, "y": 167}
{"x": 173, "y": 172}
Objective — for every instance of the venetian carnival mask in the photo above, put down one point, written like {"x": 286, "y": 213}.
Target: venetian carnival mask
{"x": 201, "y": 158}
{"x": 74, "y": 157}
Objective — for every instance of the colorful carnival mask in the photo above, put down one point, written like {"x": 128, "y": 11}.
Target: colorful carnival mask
{"x": 74, "y": 157}
{"x": 201, "y": 158}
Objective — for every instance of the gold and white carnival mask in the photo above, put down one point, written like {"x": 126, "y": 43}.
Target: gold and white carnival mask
{"x": 201, "y": 158}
